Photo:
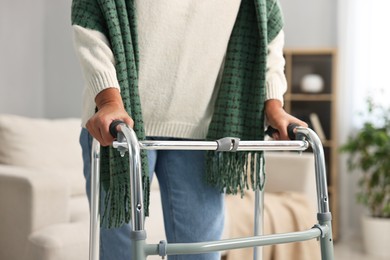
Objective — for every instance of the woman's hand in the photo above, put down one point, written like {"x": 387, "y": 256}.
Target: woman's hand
{"x": 110, "y": 108}
{"x": 279, "y": 119}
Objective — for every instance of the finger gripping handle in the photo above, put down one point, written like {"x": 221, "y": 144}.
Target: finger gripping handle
{"x": 290, "y": 131}
{"x": 113, "y": 127}
{"x": 270, "y": 131}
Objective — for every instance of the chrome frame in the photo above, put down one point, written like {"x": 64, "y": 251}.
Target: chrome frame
{"x": 140, "y": 250}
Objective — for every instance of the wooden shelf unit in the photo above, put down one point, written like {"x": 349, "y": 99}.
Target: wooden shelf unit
{"x": 323, "y": 62}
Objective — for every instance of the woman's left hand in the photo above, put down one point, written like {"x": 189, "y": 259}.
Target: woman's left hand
{"x": 279, "y": 119}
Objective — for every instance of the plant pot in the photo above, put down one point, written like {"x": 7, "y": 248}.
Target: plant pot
{"x": 376, "y": 236}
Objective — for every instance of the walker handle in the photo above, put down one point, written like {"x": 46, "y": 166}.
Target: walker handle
{"x": 113, "y": 127}
{"x": 290, "y": 130}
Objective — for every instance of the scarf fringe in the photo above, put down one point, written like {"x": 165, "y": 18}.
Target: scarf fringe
{"x": 112, "y": 201}
{"x": 233, "y": 172}
{"x": 117, "y": 204}
{"x": 115, "y": 189}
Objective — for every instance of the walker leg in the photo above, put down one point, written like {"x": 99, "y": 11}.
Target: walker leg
{"x": 326, "y": 241}
{"x": 258, "y": 223}
{"x": 138, "y": 245}
{"x": 94, "y": 228}
{"x": 259, "y": 217}
{"x": 324, "y": 216}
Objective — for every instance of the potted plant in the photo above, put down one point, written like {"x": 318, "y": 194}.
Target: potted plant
{"x": 369, "y": 155}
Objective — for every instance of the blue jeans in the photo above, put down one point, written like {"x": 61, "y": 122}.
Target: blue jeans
{"x": 193, "y": 211}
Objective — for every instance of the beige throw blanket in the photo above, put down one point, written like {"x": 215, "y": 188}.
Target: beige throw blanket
{"x": 283, "y": 212}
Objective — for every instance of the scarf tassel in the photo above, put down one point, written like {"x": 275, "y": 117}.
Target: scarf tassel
{"x": 236, "y": 171}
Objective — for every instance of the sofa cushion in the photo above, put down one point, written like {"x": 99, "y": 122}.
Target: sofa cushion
{"x": 79, "y": 209}
{"x": 61, "y": 241}
{"x": 47, "y": 144}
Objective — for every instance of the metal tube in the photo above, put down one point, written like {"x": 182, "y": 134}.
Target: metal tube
{"x": 259, "y": 216}
{"x": 258, "y": 223}
{"x": 94, "y": 229}
{"x": 324, "y": 216}
{"x": 228, "y": 244}
{"x": 137, "y": 201}
{"x": 320, "y": 168}
{"x": 212, "y": 145}
{"x": 326, "y": 242}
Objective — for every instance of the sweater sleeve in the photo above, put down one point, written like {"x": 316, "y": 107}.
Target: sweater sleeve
{"x": 276, "y": 83}
{"x": 96, "y": 59}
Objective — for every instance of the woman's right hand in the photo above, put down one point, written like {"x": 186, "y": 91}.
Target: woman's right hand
{"x": 110, "y": 108}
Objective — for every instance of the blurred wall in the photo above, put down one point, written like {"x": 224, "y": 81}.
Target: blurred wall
{"x": 310, "y": 23}
{"x": 63, "y": 78}
{"x": 39, "y": 73}
{"x": 22, "y": 57}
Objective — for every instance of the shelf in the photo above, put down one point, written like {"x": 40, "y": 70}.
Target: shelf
{"x": 311, "y": 52}
{"x": 309, "y": 97}
{"x": 327, "y": 143}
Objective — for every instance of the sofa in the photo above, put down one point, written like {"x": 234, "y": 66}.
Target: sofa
{"x": 44, "y": 213}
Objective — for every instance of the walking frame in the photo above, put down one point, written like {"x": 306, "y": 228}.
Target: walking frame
{"x": 127, "y": 142}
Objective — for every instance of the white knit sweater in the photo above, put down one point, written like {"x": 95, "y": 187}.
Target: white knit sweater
{"x": 182, "y": 44}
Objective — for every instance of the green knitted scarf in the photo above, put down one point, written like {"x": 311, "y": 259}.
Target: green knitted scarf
{"x": 238, "y": 110}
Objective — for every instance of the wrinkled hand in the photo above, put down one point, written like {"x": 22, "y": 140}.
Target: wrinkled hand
{"x": 110, "y": 108}
{"x": 279, "y": 119}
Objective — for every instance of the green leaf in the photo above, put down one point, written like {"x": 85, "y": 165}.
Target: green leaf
{"x": 368, "y": 152}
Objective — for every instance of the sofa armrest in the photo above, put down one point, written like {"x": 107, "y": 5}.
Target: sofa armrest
{"x": 60, "y": 241}
{"x": 291, "y": 171}
{"x": 29, "y": 200}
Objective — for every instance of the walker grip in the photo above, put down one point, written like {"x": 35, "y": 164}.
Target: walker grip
{"x": 113, "y": 127}
{"x": 290, "y": 131}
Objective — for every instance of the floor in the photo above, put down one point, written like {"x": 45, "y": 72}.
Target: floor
{"x": 352, "y": 250}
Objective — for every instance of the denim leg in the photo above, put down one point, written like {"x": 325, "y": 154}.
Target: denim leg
{"x": 114, "y": 243}
{"x": 193, "y": 211}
